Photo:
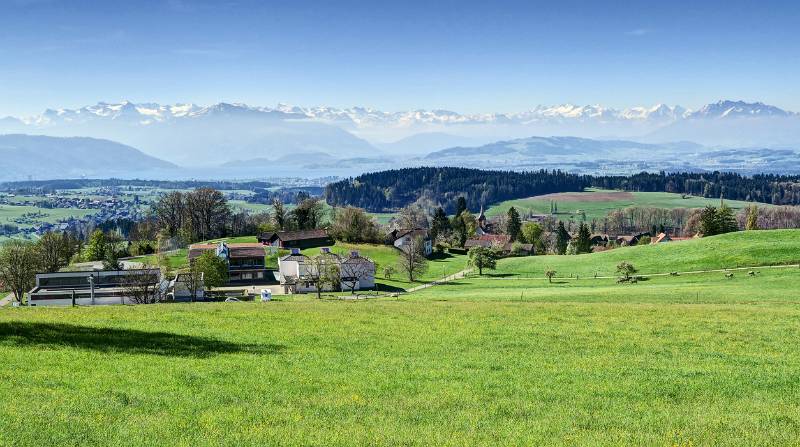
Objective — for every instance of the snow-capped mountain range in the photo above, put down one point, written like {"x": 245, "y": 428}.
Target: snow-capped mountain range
{"x": 194, "y": 135}
{"x": 150, "y": 113}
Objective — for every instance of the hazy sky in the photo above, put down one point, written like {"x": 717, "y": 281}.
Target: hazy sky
{"x": 482, "y": 56}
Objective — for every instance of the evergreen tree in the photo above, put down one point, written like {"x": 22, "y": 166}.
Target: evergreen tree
{"x": 440, "y": 225}
{"x": 584, "y": 244}
{"x": 709, "y": 224}
{"x": 459, "y": 230}
{"x": 514, "y": 224}
{"x": 461, "y": 205}
{"x": 726, "y": 220}
{"x": 562, "y": 238}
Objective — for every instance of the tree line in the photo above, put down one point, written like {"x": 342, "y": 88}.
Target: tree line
{"x": 765, "y": 188}
{"x": 430, "y": 186}
{"x": 442, "y": 186}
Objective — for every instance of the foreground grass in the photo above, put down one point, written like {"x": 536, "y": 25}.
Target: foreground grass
{"x": 580, "y": 362}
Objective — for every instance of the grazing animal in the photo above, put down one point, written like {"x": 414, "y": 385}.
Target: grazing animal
{"x": 673, "y": 274}
{"x": 729, "y": 275}
{"x": 751, "y": 273}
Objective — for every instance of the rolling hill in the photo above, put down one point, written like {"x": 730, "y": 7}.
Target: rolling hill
{"x": 24, "y": 156}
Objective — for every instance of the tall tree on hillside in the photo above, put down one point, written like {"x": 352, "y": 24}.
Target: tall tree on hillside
{"x": 726, "y": 220}
{"x": 97, "y": 248}
{"x": 562, "y": 238}
{"x": 584, "y": 243}
{"x": 55, "y": 250}
{"x": 279, "y": 213}
{"x": 308, "y": 214}
{"x": 752, "y": 218}
{"x": 709, "y": 223}
{"x": 412, "y": 259}
{"x": 170, "y": 212}
{"x": 440, "y": 224}
{"x": 207, "y": 212}
{"x": 461, "y": 205}
{"x": 19, "y": 261}
{"x": 459, "y": 230}
{"x": 532, "y": 233}
{"x": 354, "y": 225}
{"x": 411, "y": 217}
{"x": 513, "y": 224}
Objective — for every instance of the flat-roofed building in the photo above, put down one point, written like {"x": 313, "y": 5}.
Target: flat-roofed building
{"x": 94, "y": 287}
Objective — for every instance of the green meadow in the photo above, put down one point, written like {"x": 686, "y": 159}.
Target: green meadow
{"x": 596, "y": 203}
{"x": 509, "y": 359}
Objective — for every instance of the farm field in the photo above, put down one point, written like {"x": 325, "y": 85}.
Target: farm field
{"x": 745, "y": 248}
{"x": 598, "y": 203}
{"x": 688, "y": 360}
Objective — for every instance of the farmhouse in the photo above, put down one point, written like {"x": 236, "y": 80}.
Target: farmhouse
{"x": 246, "y": 261}
{"x": 404, "y": 238}
{"x": 298, "y": 272}
{"x": 296, "y": 239}
{"x": 94, "y": 287}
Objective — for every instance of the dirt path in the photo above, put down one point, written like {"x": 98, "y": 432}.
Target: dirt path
{"x": 462, "y": 274}
{"x": 448, "y": 278}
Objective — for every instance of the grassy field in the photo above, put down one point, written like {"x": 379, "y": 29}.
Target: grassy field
{"x": 596, "y": 204}
{"x": 15, "y": 214}
{"x": 746, "y": 248}
{"x": 689, "y": 360}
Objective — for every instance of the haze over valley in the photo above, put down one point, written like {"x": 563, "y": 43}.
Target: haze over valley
{"x": 238, "y": 140}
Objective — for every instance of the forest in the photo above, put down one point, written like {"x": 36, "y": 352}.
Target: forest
{"x": 763, "y": 188}
{"x": 393, "y": 189}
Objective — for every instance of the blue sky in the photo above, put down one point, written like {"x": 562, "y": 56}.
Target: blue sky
{"x": 483, "y": 56}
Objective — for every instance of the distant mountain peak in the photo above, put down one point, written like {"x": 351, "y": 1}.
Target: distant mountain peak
{"x": 738, "y": 109}
{"x": 358, "y": 116}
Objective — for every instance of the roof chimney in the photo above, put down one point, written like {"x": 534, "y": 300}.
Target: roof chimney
{"x": 354, "y": 254}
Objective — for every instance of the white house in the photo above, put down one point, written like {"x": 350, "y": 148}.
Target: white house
{"x": 298, "y": 272}
{"x": 403, "y": 239}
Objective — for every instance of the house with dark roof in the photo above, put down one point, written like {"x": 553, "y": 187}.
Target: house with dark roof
{"x": 246, "y": 261}
{"x": 296, "y": 239}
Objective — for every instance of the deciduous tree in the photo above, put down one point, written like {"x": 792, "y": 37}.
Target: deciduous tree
{"x": 482, "y": 258}
{"x": 412, "y": 259}
{"x": 19, "y": 262}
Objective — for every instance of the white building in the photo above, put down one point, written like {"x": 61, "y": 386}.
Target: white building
{"x": 299, "y": 273}
{"x": 404, "y": 239}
